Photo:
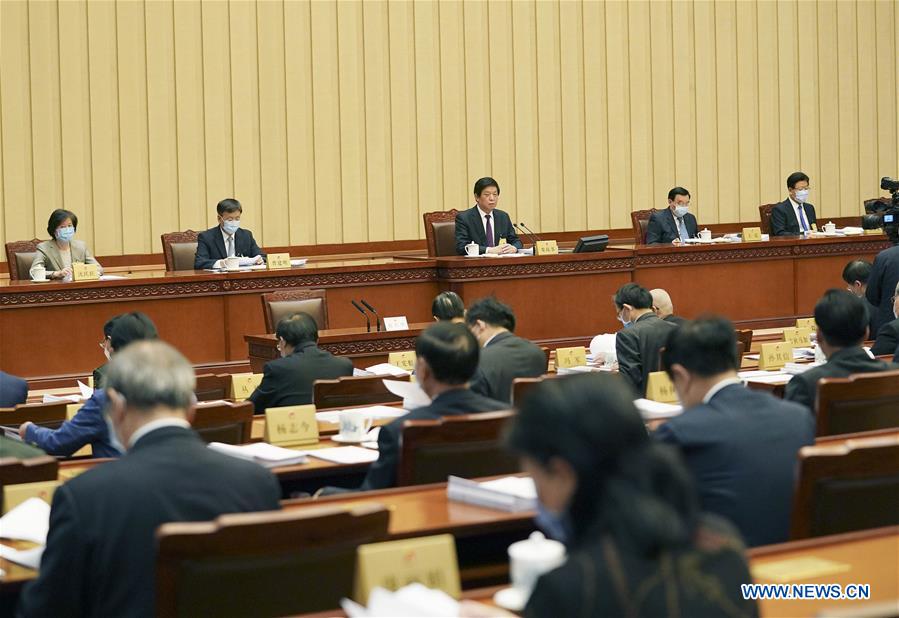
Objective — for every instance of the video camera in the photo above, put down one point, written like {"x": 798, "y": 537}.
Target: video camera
{"x": 890, "y": 213}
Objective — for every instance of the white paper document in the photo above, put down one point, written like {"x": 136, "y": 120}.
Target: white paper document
{"x": 413, "y": 600}
{"x": 48, "y": 398}
{"x": 30, "y": 558}
{"x": 29, "y": 521}
{"x": 511, "y": 493}
{"x": 651, "y": 410}
{"x": 299, "y": 262}
{"x": 778, "y": 377}
{"x": 86, "y": 391}
{"x": 262, "y": 453}
{"x": 602, "y": 347}
{"x": 412, "y": 394}
{"x": 386, "y": 369}
{"x": 111, "y": 277}
{"x": 373, "y": 412}
{"x": 346, "y": 454}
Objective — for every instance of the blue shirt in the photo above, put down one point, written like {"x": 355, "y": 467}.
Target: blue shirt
{"x": 88, "y": 426}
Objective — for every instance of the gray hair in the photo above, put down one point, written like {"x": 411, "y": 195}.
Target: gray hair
{"x": 150, "y": 374}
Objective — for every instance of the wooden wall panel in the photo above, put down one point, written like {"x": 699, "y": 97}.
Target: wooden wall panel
{"x": 343, "y": 121}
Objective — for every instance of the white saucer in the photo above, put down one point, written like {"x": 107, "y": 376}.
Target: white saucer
{"x": 511, "y": 599}
{"x": 47, "y": 280}
{"x": 345, "y": 440}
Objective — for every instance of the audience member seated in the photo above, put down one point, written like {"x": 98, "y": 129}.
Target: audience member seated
{"x": 842, "y": 320}
{"x": 662, "y": 307}
{"x": 722, "y": 428}
{"x": 226, "y": 239}
{"x": 13, "y": 390}
{"x": 89, "y": 426}
{"x": 99, "y": 372}
{"x": 287, "y": 381}
{"x": 637, "y": 345}
{"x": 856, "y": 274}
{"x": 794, "y": 215}
{"x": 674, "y": 224}
{"x": 448, "y": 307}
{"x": 887, "y": 341}
{"x": 100, "y": 558}
{"x": 626, "y": 509}
{"x": 56, "y": 256}
{"x": 504, "y": 356}
{"x": 446, "y": 359}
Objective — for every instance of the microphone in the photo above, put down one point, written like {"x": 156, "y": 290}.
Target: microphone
{"x": 372, "y": 309}
{"x": 533, "y": 237}
{"x": 529, "y": 230}
{"x": 362, "y": 311}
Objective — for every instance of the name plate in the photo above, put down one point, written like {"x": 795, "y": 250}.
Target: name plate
{"x": 403, "y": 360}
{"x": 291, "y": 426}
{"x": 277, "y": 261}
{"x": 14, "y": 495}
{"x": 429, "y": 560}
{"x": 873, "y": 232}
{"x": 396, "y": 323}
{"x": 546, "y": 247}
{"x": 571, "y": 357}
{"x": 808, "y": 323}
{"x": 798, "y": 337}
{"x": 85, "y": 272}
{"x": 659, "y": 387}
{"x": 243, "y": 385}
{"x": 775, "y": 355}
{"x": 752, "y": 234}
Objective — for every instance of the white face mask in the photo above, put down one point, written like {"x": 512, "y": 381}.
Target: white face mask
{"x": 801, "y": 195}
{"x": 680, "y": 211}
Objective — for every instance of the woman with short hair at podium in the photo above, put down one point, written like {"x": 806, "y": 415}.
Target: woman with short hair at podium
{"x": 56, "y": 256}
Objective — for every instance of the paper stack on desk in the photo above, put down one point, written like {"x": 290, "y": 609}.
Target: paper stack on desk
{"x": 30, "y": 521}
{"x": 510, "y": 493}
{"x": 386, "y": 369}
{"x": 265, "y": 454}
{"x": 346, "y": 454}
{"x": 410, "y": 600}
{"x": 652, "y": 410}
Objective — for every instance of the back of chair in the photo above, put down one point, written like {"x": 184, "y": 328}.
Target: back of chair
{"x": 466, "y": 445}
{"x": 353, "y": 391}
{"x": 841, "y": 488}
{"x": 521, "y": 386}
{"x": 765, "y": 217}
{"x": 14, "y": 471}
{"x": 273, "y": 563}
{"x": 19, "y": 256}
{"x": 179, "y": 249}
{"x": 211, "y": 387}
{"x": 277, "y": 305}
{"x": 231, "y": 423}
{"x": 861, "y": 402}
{"x": 640, "y": 221}
{"x": 440, "y": 232}
{"x": 745, "y": 337}
{"x": 871, "y": 205}
{"x": 43, "y": 414}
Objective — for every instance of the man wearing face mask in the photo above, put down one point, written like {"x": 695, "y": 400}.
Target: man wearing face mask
{"x": 227, "y": 239}
{"x": 722, "y": 426}
{"x": 794, "y": 215}
{"x": 887, "y": 341}
{"x": 674, "y": 224}
{"x": 856, "y": 275}
{"x": 89, "y": 426}
{"x": 637, "y": 345}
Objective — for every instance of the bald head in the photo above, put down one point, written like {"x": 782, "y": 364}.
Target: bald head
{"x": 661, "y": 303}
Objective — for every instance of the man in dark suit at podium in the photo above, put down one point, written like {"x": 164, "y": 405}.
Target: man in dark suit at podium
{"x": 484, "y": 225}
{"x": 226, "y": 239}
{"x": 675, "y": 224}
{"x": 794, "y": 215}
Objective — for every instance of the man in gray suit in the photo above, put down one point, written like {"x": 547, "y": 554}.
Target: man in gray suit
{"x": 637, "y": 345}
{"x": 504, "y": 356}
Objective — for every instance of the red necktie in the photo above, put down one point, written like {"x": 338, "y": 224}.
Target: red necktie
{"x": 489, "y": 232}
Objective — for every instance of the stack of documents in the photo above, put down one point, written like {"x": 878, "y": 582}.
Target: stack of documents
{"x": 29, "y": 521}
{"x": 385, "y": 369}
{"x": 411, "y": 600}
{"x": 372, "y": 412}
{"x": 652, "y": 410}
{"x": 265, "y": 454}
{"x": 797, "y": 368}
{"x": 764, "y": 377}
{"x": 510, "y": 493}
{"x": 346, "y": 454}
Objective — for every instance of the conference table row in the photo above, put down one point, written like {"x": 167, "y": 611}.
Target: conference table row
{"x": 559, "y": 300}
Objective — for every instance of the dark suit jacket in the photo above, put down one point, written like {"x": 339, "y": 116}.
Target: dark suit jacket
{"x": 750, "y": 486}
{"x": 100, "y": 375}
{"x": 703, "y": 578}
{"x": 784, "y": 221}
{"x": 100, "y": 558}
{"x": 505, "y": 358}
{"x": 803, "y": 388}
{"x": 676, "y": 320}
{"x": 638, "y": 348}
{"x": 662, "y": 227}
{"x": 382, "y": 473}
{"x": 211, "y": 247}
{"x": 13, "y": 390}
{"x": 887, "y": 341}
{"x": 470, "y": 229}
{"x": 882, "y": 285}
{"x": 288, "y": 381}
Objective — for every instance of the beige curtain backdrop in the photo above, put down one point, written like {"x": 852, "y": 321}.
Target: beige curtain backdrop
{"x": 344, "y": 121}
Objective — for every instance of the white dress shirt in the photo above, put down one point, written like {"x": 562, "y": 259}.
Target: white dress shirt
{"x": 720, "y": 385}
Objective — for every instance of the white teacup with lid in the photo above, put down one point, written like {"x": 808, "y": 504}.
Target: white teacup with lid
{"x": 472, "y": 249}
{"x": 528, "y": 560}
{"x": 39, "y": 273}
{"x": 830, "y": 227}
{"x": 705, "y": 234}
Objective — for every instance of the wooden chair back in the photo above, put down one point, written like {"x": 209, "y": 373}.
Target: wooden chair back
{"x": 861, "y": 402}
{"x": 19, "y": 256}
{"x": 179, "y": 249}
{"x": 43, "y": 414}
{"x": 765, "y": 217}
{"x": 521, "y": 386}
{"x": 440, "y": 232}
{"x": 14, "y": 471}
{"x": 744, "y": 336}
{"x": 274, "y": 563}
{"x": 874, "y": 203}
{"x": 280, "y": 304}
{"x": 231, "y": 423}
{"x": 466, "y": 445}
{"x": 211, "y": 387}
{"x": 640, "y": 221}
{"x": 846, "y": 487}
{"x": 353, "y": 391}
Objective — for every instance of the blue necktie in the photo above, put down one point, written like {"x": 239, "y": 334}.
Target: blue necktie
{"x": 681, "y": 228}
{"x": 802, "y": 222}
